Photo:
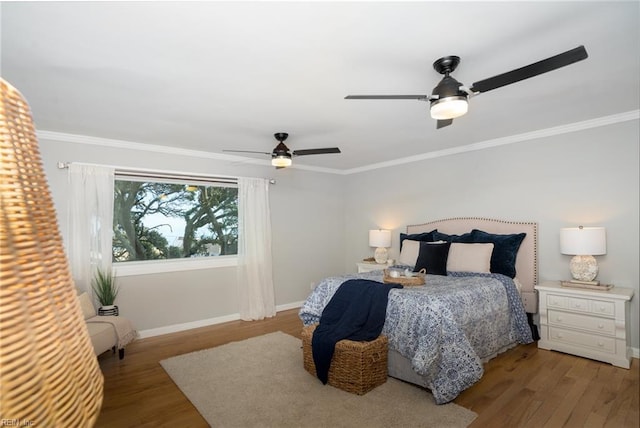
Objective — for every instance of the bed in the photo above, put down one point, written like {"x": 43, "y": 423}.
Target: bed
{"x": 440, "y": 334}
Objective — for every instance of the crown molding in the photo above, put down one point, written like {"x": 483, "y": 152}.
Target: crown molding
{"x": 512, "y": 139}
{"x": 157, "y": 148}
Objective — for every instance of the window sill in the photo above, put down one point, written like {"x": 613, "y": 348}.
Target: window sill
{"x": 175, "y": 265}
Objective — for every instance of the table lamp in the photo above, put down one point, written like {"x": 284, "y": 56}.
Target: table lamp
{"x": 381, "y": 239}
{"x": 583, "y": 243}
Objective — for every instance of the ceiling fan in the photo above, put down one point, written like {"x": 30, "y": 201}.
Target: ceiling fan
{"x": 450, "y": 99}
{"x": 281, "y": 155}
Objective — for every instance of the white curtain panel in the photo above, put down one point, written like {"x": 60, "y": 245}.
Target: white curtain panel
{"x": 255, "y": 272}
{"x": 90, "y": 222}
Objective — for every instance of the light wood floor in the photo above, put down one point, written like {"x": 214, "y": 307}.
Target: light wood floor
{"x": 524, "y": 387}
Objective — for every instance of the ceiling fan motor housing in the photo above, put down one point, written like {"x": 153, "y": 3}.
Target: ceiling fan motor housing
{"x": 281, "y": 157}
{"x": 281, "y": 149}
{"x": 448, "y": 101}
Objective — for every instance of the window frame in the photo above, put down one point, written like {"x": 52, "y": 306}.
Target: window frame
{"x": 147, "y": 267}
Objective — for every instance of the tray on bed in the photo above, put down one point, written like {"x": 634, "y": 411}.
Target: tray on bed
{"x": 417, "y": 279}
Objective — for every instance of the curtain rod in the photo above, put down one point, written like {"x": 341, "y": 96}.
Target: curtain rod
{"x": 161, "y": 174}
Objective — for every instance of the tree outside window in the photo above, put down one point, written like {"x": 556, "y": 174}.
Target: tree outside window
{"x": 160, "y": 220}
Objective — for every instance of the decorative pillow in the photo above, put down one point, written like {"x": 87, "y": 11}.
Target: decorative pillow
{"x": 505, "y": 250}
{"x": 465, "y": 237}
{"x": 88, "y": 311}
{"x": 433, "y": 257}
{"x": 469, "y": 257}
{"x": 409, "y": 253}
{"x": 423, "y": 237}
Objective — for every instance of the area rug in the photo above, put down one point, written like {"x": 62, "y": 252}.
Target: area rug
{"x": 261, "y": 382}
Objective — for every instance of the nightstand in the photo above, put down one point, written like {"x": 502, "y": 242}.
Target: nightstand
{"x": 588, "y": 323}
{"x": 368, "y": 267}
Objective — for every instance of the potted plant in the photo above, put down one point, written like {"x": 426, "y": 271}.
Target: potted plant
{"x": 106, "y": 290}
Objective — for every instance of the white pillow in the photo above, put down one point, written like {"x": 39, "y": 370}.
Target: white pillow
{"x": 409, "y": 252}
{"x": 88, "y": 311}
{"x": 470, "y": 257}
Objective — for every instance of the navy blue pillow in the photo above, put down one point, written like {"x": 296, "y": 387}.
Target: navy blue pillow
{"x": 423, "y": 237}
{"x": 465, "y": 237}
{"x": 505, "y": 250}
{"x": 433, "y": 258}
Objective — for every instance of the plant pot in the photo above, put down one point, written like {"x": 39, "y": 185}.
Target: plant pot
{"x": 108, "y": 310}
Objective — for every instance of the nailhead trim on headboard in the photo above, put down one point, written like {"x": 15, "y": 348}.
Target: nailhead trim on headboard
{"x": 483, "y": 221}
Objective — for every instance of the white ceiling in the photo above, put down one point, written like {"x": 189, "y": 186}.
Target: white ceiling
{"x": 209, "y": 76}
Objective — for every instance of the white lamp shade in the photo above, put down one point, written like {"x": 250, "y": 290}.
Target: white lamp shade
{"x": 281, "y": 161}
{"x": 449, "y": 108}
{"x": 583, "y": 241}
{"x": 380, "y": 238}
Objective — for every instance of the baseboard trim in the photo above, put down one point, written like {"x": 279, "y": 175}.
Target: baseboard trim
{"x": 175, "y": 328}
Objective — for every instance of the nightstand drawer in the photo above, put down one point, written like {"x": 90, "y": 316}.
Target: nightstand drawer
{"x": 581, "y": 305}
{"x": 554, "y": 301}
{"x": 583, "y": 322}
{"x": 598, "y": 307}
{"x": 603, "y": 308}
{"x": 603, "y": 344}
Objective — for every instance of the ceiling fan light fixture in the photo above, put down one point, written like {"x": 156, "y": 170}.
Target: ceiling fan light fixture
{"x": 449, "y": 107}
{"x": 281, "y": 160}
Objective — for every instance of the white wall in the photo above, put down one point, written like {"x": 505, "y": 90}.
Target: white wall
{"x": 307, "y": 227}
{"x": 320, "y": 221}
{"x": 583, "y": 178}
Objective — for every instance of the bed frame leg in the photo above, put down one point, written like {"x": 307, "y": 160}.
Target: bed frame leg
{"x": 534, "y": 328}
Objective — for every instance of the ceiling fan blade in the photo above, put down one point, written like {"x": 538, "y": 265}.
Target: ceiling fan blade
{"x": 247, "y": 151}
{"x": 443, "y": 122}
{"x": 386, "y": 97}
{"x": 324, "y": 151}
{"x": 531, "y": 70}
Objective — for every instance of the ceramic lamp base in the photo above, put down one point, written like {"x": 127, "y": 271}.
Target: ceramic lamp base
{"x": 583, "y": 268}
{"x": 381, "y": 255}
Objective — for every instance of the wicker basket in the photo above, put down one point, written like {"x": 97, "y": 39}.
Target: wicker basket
{"x": 407, "y": 281}
{"x": 356, "y": 367}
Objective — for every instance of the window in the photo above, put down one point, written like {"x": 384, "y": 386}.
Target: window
{"x": 163, "y": 217}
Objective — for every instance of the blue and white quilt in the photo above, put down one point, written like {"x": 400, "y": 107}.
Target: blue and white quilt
{"x": 447, "y": 327}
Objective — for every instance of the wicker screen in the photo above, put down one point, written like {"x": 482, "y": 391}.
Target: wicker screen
{"x": 49, "y": 374}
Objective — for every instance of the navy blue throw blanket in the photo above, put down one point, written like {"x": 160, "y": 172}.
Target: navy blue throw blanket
{"x": 356, "y": 312}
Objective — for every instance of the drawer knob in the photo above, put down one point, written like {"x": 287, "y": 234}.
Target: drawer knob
{"x": 600, "y": 326}
{"x": 600, "y": 344}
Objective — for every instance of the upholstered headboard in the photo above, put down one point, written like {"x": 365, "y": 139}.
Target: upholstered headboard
{"x": 526, "y": 261}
